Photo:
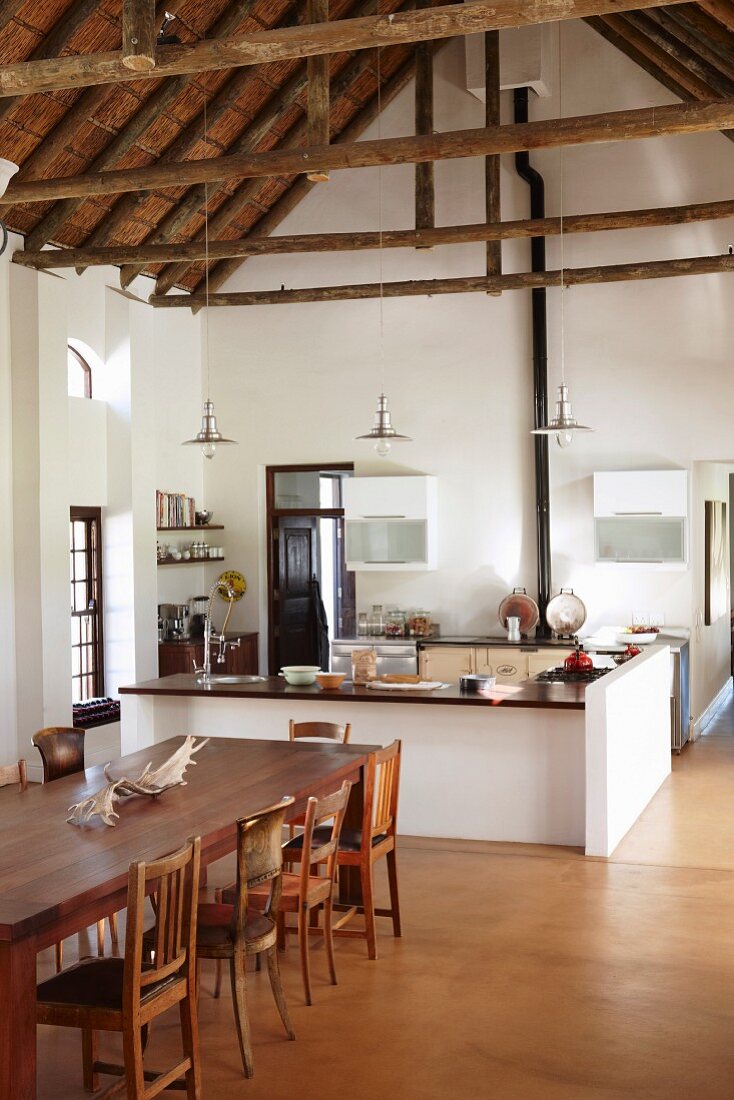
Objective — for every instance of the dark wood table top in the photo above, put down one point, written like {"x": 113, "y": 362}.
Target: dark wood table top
{"x": 530, "y": 693}
{"x": 51, "y": 872}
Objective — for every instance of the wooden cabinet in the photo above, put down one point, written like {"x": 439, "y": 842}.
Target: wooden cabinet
{"x": 176, "y": 657}
{"x": 446, "y": 663}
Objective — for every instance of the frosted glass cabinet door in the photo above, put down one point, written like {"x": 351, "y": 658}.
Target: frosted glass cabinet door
{"x": 386, "y": 542}
{"x": 648, "y": 540}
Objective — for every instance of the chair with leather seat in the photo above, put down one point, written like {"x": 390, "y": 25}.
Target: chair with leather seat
{"x": 125, "y": 995}
{"x": 363, "y": 847}
{"x": 62, "y": 752}
{"x": 235, "y": 931}
{"x": 14, "y": 773}
{"x": 307, "y": 891}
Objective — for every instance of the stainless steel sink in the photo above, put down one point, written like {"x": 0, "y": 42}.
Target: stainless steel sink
{"x": 224, "y": 679}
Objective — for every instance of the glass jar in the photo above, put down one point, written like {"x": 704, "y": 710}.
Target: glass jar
{"x": 419, "y": 624}
{"x": 395, "y": 624}
{"x": 362, "y": 627}
{"x": 376, "y": 621}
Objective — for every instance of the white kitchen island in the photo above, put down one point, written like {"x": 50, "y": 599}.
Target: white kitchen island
{"x": 552, "y": 764}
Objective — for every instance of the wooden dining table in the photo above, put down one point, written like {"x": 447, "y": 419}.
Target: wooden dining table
{"x": 56, "y": 878}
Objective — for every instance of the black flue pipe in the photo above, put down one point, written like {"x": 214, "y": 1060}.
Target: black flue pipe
{"x": 540, "y": 370}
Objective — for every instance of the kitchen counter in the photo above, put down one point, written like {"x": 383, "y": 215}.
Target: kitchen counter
{"x": 549, "y": 764}
{"x": 592, "y": 643}
{"x": 528, "y": 694}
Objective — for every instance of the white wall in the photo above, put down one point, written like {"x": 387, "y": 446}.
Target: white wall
{"x": 649, "y": 363}
{"x": 712, "y": 643}
{"x": 87, "y": 447}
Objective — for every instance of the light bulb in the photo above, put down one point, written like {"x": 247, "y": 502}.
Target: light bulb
{"x": 383, "y": 446}
{"x": 564, "y": 439}
{"x": 208, "y": 450}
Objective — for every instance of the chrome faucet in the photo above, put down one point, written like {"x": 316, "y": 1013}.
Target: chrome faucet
{"x": 203, "y": 673}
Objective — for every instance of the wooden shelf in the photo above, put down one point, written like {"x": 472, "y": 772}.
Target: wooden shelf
{"x": 198, "y": 527}
{"x": 191, "y": 561}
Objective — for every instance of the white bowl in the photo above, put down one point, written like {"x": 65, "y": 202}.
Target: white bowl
{"x": 300, "y": 675}
{"x": 626, "y": 637}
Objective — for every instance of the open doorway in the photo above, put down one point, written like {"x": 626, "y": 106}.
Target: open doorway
{"x": 305, "y": 532}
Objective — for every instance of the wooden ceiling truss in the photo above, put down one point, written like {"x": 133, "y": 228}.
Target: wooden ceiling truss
{"x": 108, "y": 127}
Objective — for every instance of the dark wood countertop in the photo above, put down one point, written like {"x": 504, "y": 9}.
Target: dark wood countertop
{"x": 198, "y": 639}
{"x": 532, "y": 693}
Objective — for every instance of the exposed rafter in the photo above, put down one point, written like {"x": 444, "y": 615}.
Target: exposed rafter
{"x": 51, "y": 259}
{"x": 279, "y": 44}
{"x": 472, "y": 284}
{"x": 580, "y": 130}
{"x": 138, "y": 34}
{"x": 150, "y": 111}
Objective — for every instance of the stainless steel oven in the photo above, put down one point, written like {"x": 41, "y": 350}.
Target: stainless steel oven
{"x": 394, "y": 655}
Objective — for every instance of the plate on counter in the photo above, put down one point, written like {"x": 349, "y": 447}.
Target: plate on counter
{"x": 628, "y": 637}
{"x": 424, "y": 685}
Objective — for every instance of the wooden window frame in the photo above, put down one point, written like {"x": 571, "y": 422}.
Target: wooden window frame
{"x": 94, "y": 570}
{"x": 86, "y": 370}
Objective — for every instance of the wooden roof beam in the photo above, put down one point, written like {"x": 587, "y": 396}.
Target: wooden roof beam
{"x": 139, "y": 33}
{"x": 676, "y": 118}
{"x": 279, "y": 44}
{"x": 278, "y": 105}
{"x": 302, "y": 185}
{"x": 471, "y": 284}
{"x": 148, "y": 114}
{"x": 721, "y": 10}
{"x": 317, "y": 69}
{"x": 51, "y": 259}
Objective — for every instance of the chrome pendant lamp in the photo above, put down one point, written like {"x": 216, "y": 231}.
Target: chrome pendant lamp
{"x": 382, "y": 433}
{"x": 208, "y": 437}
{"x": 564, "y": 424}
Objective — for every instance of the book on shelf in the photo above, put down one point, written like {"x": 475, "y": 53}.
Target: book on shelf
{"x": 174, "y": 510}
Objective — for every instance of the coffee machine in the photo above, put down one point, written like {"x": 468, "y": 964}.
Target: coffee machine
{"x": 197, "y": 608}
{"x": 174, "y": 621}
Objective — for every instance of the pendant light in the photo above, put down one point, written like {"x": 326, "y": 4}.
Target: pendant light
{"x": 563, "y": 425}
{"x": 208, "y": 437}
{"x": 382, "y": 433}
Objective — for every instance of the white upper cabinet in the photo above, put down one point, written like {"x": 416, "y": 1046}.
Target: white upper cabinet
{"x": 391, "y": 523}
{"x": 389, "y": 497}
{"x": 641, "y": 493}
{"x": 640, "y": 518}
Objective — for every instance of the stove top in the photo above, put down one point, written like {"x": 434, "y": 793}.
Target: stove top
{"x": 563, "y": 676}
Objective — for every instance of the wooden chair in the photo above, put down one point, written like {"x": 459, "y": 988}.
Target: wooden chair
{"x": 14, "y": 773}
{"x": 325, "y": 730}
{"x": 125, "y": 995}
{"x": 329, "y": 730}
{"x": 362, "y": 847}
{"x": 62, "y": 753}
{"x": 230, "y": 931}
{"x": 308, "y": 890}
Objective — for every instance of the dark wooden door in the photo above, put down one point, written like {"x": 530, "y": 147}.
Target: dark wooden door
{"x": 297, "y": 558}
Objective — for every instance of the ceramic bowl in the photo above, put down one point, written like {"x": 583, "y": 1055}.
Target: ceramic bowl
{"x": 330, "y": 681}
{"x": 300, "y": 675}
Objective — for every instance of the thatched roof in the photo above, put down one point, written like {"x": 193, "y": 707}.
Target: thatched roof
{"x": 137, "y": 123}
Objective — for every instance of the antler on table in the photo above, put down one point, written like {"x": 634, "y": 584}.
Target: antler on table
{"x": 151, "y": 783}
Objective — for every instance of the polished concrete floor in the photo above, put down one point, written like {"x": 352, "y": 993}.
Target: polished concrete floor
{"x": 523, "y": 973}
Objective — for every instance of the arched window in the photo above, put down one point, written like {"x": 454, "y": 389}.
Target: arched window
{"x": 80, "y": 374}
